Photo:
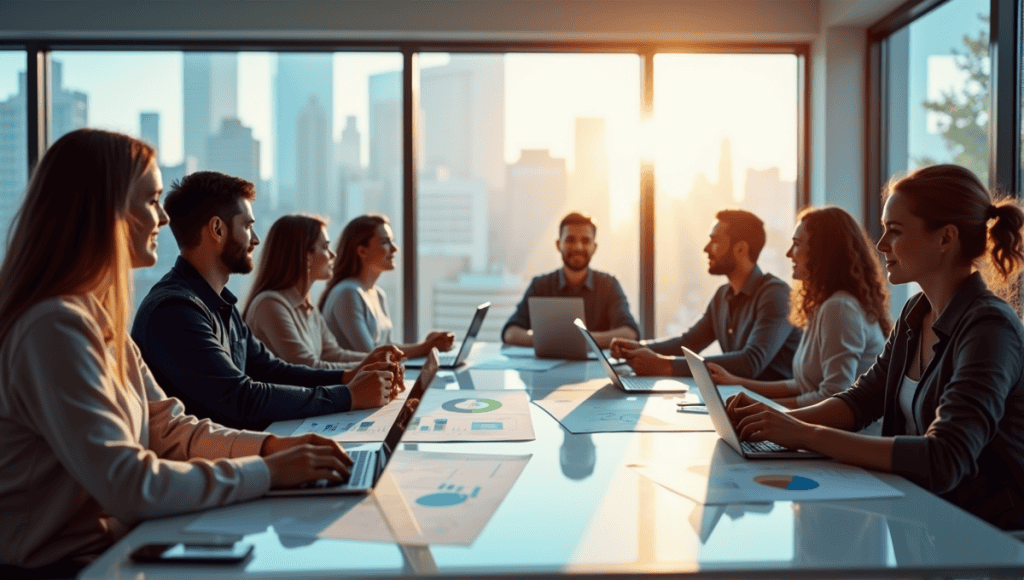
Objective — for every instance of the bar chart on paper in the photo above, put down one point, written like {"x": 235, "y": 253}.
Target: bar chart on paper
{"x": 472, "y": 416}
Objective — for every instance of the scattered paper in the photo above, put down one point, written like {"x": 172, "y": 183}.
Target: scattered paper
{"x": 446, "y": 415}
{"x": 609, "y": 410}
{"x": 366, "y": 425}
{"x": 435, "y": 498}
{"x": 769, "y": 481}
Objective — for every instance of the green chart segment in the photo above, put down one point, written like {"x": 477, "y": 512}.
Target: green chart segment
{"x": 471, "y": 405}
{"x": 787, "y": 482}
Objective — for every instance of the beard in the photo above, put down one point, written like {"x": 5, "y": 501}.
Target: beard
{"x": 236, "y": 257}
{"x": 722, "y": 265}
{"x": 573, "y": 261}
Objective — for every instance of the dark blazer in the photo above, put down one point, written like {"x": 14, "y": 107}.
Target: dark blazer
{"x": 970, "y": 403}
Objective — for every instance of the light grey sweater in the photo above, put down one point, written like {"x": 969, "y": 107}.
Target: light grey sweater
{"x": 839, "y": 343}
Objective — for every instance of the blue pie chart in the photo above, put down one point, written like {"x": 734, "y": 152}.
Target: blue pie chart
{"x": 787, "y": 482}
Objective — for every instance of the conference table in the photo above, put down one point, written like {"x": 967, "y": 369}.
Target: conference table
{"x": 580, "y": 507}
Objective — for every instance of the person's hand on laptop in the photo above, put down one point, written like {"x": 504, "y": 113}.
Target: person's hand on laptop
{"x": 618, "y": 346}
{"x": 305, "y": 458}
{"x": 644, "y": 361}
{"x": 755, "y": 421}
{"x": 372, "y": 387}
{"x": 442, "y": 340}
{"x": 722, "y": 376}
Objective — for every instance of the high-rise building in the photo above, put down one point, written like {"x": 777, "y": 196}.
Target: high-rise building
{"x": 234, "y": 151}
{"x": 350, "y": 148}
{"x": 591, "y": 186}
{"x": 210, "y": 84}
{"x": 313, "y": 161}
{"x": 149, "y": 129}
{"x": 70, "y": 112}
{"x": 537, "y": 188}
{"x": 299, "y": 77}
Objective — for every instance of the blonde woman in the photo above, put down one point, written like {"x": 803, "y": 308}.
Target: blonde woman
{"x": 91, "y": 444}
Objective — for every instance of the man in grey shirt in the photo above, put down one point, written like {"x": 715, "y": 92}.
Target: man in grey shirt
{"x": 749, "y": 316}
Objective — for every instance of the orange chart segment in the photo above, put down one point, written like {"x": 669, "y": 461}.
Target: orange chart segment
{"x": 787, "y": 482}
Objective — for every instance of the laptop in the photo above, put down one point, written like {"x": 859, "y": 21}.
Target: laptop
{"x": 723, "y": 425}
{"x": 628, "y": 383}
{"x": 553, "y": 333}
{"x": 450, "y": 360}
{"x": 369, "y": 464}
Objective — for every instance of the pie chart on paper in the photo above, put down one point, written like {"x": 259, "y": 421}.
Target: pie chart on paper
{"x": 787, "y": 482}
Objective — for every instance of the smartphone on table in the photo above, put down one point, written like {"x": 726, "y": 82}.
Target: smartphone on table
{"x": 192, "y": 553}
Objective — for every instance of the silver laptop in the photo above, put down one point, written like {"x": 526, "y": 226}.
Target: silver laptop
{"x": 553, "y": 333}
{"x": 723, "y": 425}
{"x": 369, "y": 464}
{"x": 450, "y": 360}
{"x": 628, "y": 383}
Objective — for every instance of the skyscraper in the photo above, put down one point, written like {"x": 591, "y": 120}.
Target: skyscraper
{"x": 537, "y": 188}
{"x": 210, "y": 84}
{"x": 299, "y": 77}
{"x": 313, "y": 161}
{"x": 234, "y": 151}
{"x": 590, "y": 181}
{"x": 149, "y": 129}
{"x": 70, "y": 112}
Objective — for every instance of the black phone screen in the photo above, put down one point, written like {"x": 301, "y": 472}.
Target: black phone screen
{"x": 193, "y": 553}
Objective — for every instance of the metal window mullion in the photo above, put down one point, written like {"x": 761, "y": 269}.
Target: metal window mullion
{"x": 647, "y": 204}
{"x": 410, "y": 105}
{"x": 1004, "y": 119}
{"x": 37, "y": 105}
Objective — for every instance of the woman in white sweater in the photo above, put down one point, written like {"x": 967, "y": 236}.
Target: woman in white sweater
{"x": 92, "y": 445}
{"x": 354, "y": 306}
{"x": 297, "y": 253}
{"x": 840, "y": 298}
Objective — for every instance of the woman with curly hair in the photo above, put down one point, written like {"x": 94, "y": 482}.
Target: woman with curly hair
{"x": 839, "y": 298}
{"x": 949, "y": 384}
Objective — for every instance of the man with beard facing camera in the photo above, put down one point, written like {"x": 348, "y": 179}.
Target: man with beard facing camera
{"x": 604, "y": 304}
{"x": 193, "y": 338}
{"x": 749, "y": 316}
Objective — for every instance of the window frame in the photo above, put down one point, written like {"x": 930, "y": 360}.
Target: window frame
{"x": 38, "y": 94}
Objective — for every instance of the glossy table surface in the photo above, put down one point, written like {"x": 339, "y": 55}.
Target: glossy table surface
{"x": 578, "y": 507}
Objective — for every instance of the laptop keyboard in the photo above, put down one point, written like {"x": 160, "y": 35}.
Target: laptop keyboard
{"x": 637, "y": 383}
{"x": 762, "y": 447}
{"x": 362, "y": 461}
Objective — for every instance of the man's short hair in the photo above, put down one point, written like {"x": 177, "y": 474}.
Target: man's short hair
{"x": 197, "y": 197}
{"x": 576, "y": 219}
{"x": 744, "y": 227}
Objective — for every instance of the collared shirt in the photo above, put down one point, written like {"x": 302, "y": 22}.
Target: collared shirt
{"x": 751, "y": 326}
{"x": 86, "y": 455}
{"x": 288, "y": 324}
{"x": 969, "y": 403}
{"x": 604, "y": 303}
{"x": 201, "y": 351}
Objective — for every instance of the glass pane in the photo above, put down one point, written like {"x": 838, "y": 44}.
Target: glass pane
{"x": 317, "y": 133}
{"x": 13, "y": 138}
{"x": 938, "y": 96}
{"x": 724, "y": 136}
{"x": 512, "y": 143}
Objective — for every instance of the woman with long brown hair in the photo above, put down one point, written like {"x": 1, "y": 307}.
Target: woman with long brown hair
{"x": 949, "y": 385}
{"x": 297, "y": 253}
{"x": 841, "y": 301}
{"x": 91, "y": 443}
{"x": 355, "y": 307}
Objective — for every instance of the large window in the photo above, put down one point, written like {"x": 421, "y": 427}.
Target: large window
{"x": 725, "y": 135}
{"x": 317, "y": 133}
{"x": 938, "y": 101}
{"x": 13, "y": 138}
{"x": 510, "y": 144}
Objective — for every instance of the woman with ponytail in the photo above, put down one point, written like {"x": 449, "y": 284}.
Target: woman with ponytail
{"x": 949, "y": 384}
